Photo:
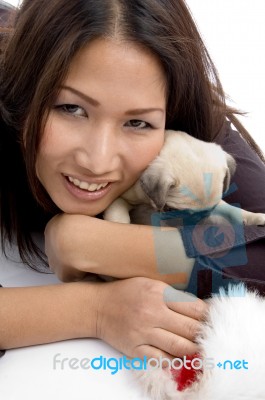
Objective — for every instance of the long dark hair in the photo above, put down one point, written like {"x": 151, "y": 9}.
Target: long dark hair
{"x": 45, "y": 38}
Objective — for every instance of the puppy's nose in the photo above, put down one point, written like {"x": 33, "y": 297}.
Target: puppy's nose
{"x": 166, "y": 208}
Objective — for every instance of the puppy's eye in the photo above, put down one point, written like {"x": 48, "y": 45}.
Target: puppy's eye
{"x": 173, "y": 184}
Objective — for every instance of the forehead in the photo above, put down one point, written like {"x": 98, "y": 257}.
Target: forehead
{"x": 117, "y": 65}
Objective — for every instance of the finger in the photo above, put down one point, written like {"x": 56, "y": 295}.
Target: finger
{"x": 176, "y": 346}
{"x": 185, "y": 303}
{"x": 152, "y": 355}
{"x": 180, "y": 325}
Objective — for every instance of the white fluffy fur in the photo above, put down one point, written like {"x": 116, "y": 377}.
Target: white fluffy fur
{"x": 234, "y": 330}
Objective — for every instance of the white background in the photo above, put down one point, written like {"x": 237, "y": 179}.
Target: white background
{"x": 234, "y": 32}
{"x": 235, "y": 37}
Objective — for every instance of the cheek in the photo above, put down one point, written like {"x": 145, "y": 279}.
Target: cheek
{"x": 55, "y": 140}
{"x": 42, "y": 162}
{"x": 48, "y": 153}
{"x": 42, "y": 167}
{"x": 146, "y": 153}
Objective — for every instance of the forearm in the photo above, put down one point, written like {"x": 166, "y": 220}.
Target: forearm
{"x": 125, "y": 251}
{"x": 45, "y": 314}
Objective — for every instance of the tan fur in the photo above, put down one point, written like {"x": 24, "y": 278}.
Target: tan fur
{"x": 187, "y": 174}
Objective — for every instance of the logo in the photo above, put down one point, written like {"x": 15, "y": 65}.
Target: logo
{"x": 213, "y": 237}
{"x": 114, "y": 365}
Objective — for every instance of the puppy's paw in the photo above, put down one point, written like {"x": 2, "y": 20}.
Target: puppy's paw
{"x": 118, "y": 211}
{"x": 254, "y": 219}
{"x": 117, "y": 216}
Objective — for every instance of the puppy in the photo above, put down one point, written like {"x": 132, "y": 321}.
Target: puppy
{"x": 188, "y": 175}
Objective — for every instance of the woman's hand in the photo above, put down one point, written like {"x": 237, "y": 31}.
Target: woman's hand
{"x": 137, "y": 316}
{"x": 144, "y": 317}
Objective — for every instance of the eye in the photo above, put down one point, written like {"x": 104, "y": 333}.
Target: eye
{"x": 71, "y": 109}
{"x": 138, "y": 124}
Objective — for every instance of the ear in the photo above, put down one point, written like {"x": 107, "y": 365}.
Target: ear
{"x": 156, "y": 187}
{"x": 231, "y": 169}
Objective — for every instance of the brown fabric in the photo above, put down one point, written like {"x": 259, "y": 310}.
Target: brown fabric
{"x": 250, "y": 180}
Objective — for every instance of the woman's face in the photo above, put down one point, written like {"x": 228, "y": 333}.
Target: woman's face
{"x": 106, "y": 126}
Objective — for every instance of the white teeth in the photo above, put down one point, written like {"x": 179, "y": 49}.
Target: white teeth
{"x": 93, "y": 187}
{"x": 83, "y": 185}
{"x": 90, "y": 187}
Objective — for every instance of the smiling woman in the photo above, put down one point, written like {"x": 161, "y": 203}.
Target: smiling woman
{"x": 102, "y": 118}
{"x": 83, "y": 113}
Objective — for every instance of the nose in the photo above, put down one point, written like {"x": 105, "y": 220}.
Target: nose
{"x": 99, "y": 151}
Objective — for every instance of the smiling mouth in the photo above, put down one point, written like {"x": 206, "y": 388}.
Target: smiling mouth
{"x": 89, "y": 187}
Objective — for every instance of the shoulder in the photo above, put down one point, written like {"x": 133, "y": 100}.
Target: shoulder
{"x": 247, "y": 189}
{"x": 235, "y": 144}
{"x": 249, "y": 178}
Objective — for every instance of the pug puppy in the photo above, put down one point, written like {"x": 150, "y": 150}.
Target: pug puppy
{"x": 188, "y": 175}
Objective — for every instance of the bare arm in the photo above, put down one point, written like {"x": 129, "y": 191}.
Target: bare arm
{"x": 44, "y": 314}
{"x": 113, "y": 312}
{"x": 77, "y": 243}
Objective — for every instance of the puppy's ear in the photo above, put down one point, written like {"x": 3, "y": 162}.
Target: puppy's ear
{"x": 156, "y": 187}
{"x": 231, "y": 169}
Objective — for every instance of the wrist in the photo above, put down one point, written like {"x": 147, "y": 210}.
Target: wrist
{"x": 83, "y": 316}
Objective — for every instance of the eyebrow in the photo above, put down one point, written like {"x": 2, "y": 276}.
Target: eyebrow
{"x": 95, "y": 103}
{"x": 82, "y": 95}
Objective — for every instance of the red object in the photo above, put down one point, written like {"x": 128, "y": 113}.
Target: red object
{"x": 185, "y": 377}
